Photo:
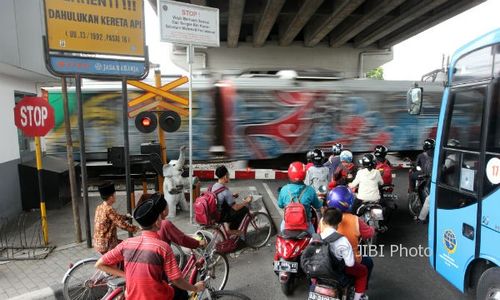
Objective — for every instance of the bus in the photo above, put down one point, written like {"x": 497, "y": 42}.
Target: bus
{"x": 464, "y": 217}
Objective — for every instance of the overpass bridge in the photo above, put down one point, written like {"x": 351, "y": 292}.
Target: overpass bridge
{"x": 350, "y": 36}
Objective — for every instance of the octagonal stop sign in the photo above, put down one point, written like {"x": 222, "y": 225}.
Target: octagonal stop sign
{"x": 34, "y": 116}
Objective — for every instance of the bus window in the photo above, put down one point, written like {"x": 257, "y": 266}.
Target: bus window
{"x": 496, "y": 70}
{"x": 466, "y": 114}
{"x": 474, "y": 66}
{"x": 493, "y": 140}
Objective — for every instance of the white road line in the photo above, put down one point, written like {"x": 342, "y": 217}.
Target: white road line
{"x": 273, "y": 199}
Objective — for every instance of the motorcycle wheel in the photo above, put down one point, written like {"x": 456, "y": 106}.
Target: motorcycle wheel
{"x": 287, "y": 286}
{"x": 414, "y": 204}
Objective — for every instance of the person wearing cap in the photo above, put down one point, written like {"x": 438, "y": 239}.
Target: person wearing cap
{"x": 231, "y": 212}
{"x": 148, "y": 261}
{"x": 168, "y": 232}
{"x": 107, "y": 220}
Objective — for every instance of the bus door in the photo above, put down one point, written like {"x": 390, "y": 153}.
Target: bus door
{"x": 460, "y": 176}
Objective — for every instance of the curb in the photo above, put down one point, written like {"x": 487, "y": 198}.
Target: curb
{"x": 51, "y": 292}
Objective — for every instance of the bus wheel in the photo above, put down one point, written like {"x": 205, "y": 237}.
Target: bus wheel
{"x": 488, "y": 287}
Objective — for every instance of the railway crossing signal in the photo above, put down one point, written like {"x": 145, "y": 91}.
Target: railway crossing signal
{"x": 147, "y": 121}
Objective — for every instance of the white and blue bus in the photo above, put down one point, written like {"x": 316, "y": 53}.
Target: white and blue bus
{"x": 464, "y": 219}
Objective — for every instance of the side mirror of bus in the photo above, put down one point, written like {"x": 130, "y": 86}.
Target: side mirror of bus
{"x": 414, "y": 100}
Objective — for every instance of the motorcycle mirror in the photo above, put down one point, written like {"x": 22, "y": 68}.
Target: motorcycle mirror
{"x": 322, "y": 189}
{"x": 419, "y": 168}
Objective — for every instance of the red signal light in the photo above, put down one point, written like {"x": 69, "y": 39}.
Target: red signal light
{"x": 146, "y": 122}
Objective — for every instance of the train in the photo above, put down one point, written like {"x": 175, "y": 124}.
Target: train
{"x": 260, "y": 117}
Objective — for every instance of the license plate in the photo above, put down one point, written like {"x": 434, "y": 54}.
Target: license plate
{"x": 389, "y": 196}
{"x": 286, "y": 266}
{"x": 316, "y": 296}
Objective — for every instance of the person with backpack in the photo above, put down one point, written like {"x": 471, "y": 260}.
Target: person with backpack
{"x": 297, "y": 198}
{"x": 230, "y": 211}
{"x": 341, "y": 249}
{"x": 317, "y": 175}
{"x": 345, "y": 172}
{"x": 351, "y": 226}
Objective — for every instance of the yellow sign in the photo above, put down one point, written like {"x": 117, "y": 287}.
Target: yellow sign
{"x": 113, "y": 27}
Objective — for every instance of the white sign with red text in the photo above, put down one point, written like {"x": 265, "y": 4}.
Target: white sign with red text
{"x": 188, "y": 24}
{"x": 493, "y": 170}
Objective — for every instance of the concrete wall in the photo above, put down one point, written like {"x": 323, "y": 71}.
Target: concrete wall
{"x": 21, "y": 35}
{"x": 10, "y": 196}
{"x": 345, "y": 59}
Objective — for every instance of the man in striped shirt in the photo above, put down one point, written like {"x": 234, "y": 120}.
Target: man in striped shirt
{"x": 149, "y": 261}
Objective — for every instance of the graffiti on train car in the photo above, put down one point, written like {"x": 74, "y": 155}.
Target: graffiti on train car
{"x": 103, "y": 125}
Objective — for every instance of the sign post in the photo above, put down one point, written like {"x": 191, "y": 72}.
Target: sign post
{"x": 190, "y": 25}
{"x": 35, "y": 117}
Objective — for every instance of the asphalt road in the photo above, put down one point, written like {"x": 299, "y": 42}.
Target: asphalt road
{"x": 400, "y": 272}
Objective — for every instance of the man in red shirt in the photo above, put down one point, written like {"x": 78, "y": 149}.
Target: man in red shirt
{"x": 148, "y": 260}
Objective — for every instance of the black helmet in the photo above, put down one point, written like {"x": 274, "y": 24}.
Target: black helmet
{"x": 318, "y": 157}
{"x": 309, "y": 156}
{"x": 429, "y": 144}
{"x": 380, "y": 151}
{"x": 337, "y": 148}
{"x": 368, "y": 161}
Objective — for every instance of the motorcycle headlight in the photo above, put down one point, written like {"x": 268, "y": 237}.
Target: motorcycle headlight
{"x": 377, "y": 214}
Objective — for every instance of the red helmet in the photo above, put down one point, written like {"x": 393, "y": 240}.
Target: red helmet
{"x": 297, "y": 171}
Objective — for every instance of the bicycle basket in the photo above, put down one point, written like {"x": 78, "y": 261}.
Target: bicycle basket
{"x": 256, "y": 204}
{"x": 225, "y": 246}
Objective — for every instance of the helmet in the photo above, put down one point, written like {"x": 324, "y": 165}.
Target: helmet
{"x": 296, "y": 171}
{"x": 368, "y": 161}
{"x": 346, "y": 156}
{"x": 318, "y": 157}
{"x": 380, "y": 151}
{"x": 429, "y": 144}
{"x": 337, "y": 148}
{"x": 340, "y": 197}
{"x": 309, "y": 156}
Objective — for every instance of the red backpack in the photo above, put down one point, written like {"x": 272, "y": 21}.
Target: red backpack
{"x": 295, "y": 213}
{"x": 205, "y": 207}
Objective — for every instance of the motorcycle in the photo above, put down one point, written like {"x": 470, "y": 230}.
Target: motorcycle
{"x": 332, "y": 290}
{"x": 420, "y": 191}
{"x": 388, "y": 201}
{"x": 289, "y": 246}
{"x": 373, "y": 215}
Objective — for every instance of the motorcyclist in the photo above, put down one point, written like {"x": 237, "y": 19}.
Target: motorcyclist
{"x": 334, "y": 160}
{"x": 352, "y": 227}
{"x": 345, "y": 172}
{"x": 296, "y": 187}
{"x": 369, "y": 180}
{"x": 317, "y": 175}
{"x": 383, "y": 164}
{"x": 424, "y": 161}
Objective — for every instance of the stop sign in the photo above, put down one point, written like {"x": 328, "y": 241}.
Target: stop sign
{"x": 34, "y": 116}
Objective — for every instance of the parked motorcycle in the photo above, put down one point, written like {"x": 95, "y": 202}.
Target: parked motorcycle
{"x": 420, "y": 191}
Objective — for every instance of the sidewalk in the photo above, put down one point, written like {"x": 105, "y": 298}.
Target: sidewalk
{"x": 41, "y": 279}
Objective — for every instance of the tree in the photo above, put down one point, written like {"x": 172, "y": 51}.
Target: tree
{"x": 377, "y": 73}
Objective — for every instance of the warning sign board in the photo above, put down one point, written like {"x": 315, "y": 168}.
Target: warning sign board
{"x": 114, "y": 27}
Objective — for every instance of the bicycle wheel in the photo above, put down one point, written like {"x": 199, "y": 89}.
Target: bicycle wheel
{"x": 258, "y": 230}
{"x": 217, "y": 267}
{"x": 84, "y": 281}
{"x": 180, "y": 256}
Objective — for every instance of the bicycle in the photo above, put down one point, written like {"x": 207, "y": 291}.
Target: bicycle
{"x": 256, "y": 228}
{"x": 199, "y": 262}
{"x": 84, "y": 281}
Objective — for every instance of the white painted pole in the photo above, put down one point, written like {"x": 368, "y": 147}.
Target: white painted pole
{"x": 190, "y": 55}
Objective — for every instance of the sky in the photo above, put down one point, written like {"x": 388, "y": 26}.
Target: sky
{"x": 412, "y": 58}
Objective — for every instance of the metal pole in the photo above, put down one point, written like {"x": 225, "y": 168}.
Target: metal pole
{"x": 190, "y": 62}
{"x": 83, "y": 160}
{"x": 43, "y": 211}
{"x": 161, "y": 134}
{"x": 71, "y": 163}
{"x": 128, "y": 181}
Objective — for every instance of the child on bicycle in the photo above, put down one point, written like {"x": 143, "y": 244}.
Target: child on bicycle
{"x": 147, "y": 259}
{"x": 107, "y": 220}
{"x": 231, "y": 212}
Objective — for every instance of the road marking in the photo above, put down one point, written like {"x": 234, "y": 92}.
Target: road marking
{"x": 273, "y": 199}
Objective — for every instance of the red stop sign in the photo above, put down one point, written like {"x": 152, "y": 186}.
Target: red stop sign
{"x": 34, "y": 116}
